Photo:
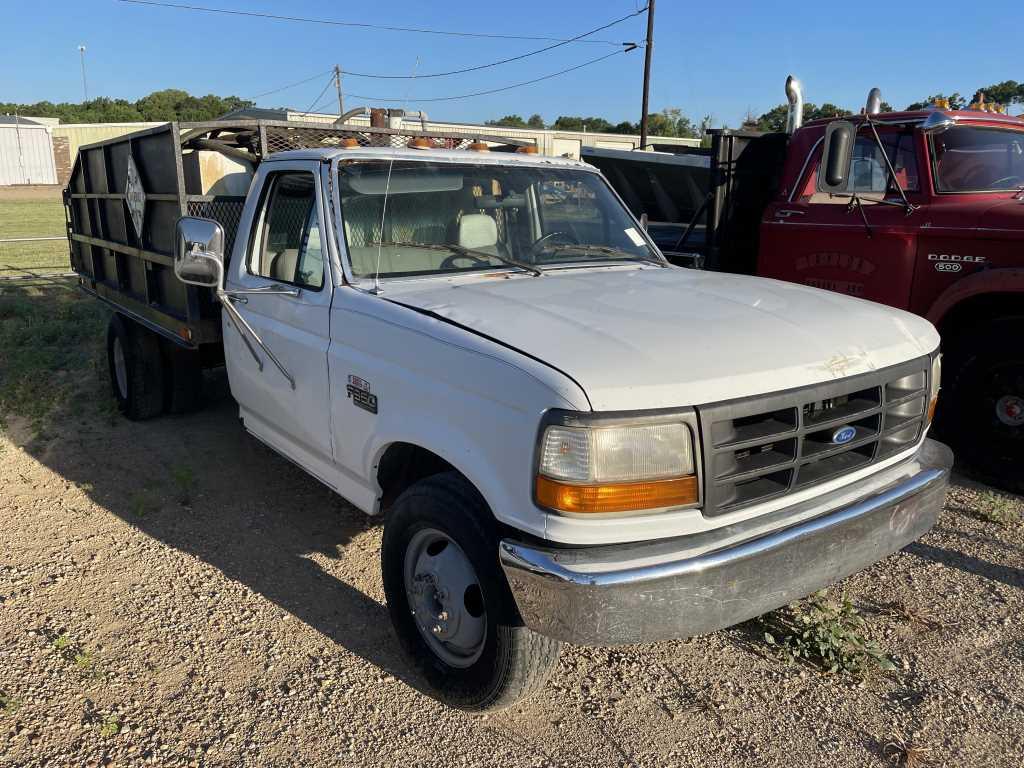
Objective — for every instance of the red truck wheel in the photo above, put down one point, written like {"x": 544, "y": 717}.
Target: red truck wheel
{"x": 983, "y": 409}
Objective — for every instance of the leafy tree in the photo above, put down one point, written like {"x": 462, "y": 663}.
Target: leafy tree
{"x": 509, "y": 121}
{"x": 886, "y": 107}
{"x": 170, "y": 104}
{"x": 535, "y": 121}
{"x": 956, "y": 101}
{"x": 1006, "y": 92}
{"x": 775, "y": 118}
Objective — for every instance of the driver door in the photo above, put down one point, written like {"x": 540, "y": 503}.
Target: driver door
{"x": 820, "y": 240}
{"x": 287, "y": 254}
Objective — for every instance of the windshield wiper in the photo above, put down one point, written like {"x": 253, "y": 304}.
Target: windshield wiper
{"x": 471, "y": 252}
{"x": 609, "y": 250}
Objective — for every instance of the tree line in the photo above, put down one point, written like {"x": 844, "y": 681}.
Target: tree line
{"x": 160, "y": 106}
{"x": 668, "y": 122}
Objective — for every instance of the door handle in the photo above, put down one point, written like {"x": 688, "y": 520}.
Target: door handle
{"x": 785, "y": 213}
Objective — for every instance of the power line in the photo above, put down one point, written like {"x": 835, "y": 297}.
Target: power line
{"x": 520, "y": 57}
{"x": 494, "y": 90}
{"x": 321, "y": 94}
{"x": 361, "y": 25}
{"x": 317, "y": 76}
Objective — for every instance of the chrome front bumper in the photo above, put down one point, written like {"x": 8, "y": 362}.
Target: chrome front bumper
{"x": 649, "y": 591}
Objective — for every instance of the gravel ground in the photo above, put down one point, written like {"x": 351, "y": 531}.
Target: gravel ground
{"x": 171, "y": 593}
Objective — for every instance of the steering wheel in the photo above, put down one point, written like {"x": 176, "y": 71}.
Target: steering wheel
{"x": 538, "y": 244}
{"x": 1009, "y": 181}
{"x": 449, "y": 262}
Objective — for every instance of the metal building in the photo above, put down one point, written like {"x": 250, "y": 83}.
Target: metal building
{"x": 26, "y": 152}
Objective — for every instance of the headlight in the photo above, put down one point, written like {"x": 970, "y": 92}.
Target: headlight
{"x": 936, "y": 378}
{"x": 616, "y": 468}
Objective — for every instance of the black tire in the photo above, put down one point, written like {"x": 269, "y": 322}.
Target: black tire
{"x": 515, "y": 662}
{"x": 140, "y": 394}
{"x": 183, "y": 382}
{"x": 985, "y": 387}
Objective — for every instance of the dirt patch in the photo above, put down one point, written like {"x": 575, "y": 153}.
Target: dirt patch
{"x": 32, "y": 192}
{"x": 172, "y": 593}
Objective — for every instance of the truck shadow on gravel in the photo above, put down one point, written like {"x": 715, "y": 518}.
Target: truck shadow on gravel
{"x": 202, "y": 485}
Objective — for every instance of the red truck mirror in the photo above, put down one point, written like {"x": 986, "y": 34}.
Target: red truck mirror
{"x": 837, "y": 156}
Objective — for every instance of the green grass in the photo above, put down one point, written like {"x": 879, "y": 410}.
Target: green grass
{"x": 996, "y": 508}
{"x": 8, "y": 705}
{"x": 51, "y": 347}
{"x": 32, "y": 218}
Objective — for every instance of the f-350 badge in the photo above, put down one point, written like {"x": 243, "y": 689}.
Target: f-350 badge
{"x": 359, "y": 393}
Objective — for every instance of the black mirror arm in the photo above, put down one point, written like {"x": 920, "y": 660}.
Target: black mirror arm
{"x": 856, "y": 203}
{"x": 907, "y": 206}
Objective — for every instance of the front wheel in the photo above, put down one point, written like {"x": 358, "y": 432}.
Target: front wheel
{"x": 450, "y": 604}
{"x": 982, "y": 410}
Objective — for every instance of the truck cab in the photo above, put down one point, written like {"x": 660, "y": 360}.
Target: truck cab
{"x": 941, "y": 235}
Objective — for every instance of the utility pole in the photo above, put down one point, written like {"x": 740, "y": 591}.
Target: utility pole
{"x": 85, "y": 87}
{"x": 337, "y": 85}
{"x": 647, "y": 72}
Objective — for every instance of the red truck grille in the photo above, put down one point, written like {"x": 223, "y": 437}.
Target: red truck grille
{"x": 760, "y": 448}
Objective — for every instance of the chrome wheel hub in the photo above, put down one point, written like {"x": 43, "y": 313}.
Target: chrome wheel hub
{"x": 120, "y": 368}
{"x": 445, "y": 598}
{"x": 1010, "y": 410}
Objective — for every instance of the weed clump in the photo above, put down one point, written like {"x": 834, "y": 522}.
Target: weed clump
{"x": 829, "y": 635}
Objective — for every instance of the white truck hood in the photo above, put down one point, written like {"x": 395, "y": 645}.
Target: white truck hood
{"x": 637, "y": 338}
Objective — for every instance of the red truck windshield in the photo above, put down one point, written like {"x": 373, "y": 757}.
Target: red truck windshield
{"x": 976, "y": 159}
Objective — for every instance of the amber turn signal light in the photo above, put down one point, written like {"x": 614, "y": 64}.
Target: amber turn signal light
{"x": 616, "y": 497}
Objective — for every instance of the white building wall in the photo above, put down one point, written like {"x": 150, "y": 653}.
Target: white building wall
{"x": 26, "y": 155}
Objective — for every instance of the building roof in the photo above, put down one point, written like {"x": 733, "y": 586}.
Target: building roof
{"x": 255, "y": 113}
{"x": 16, "y": 120}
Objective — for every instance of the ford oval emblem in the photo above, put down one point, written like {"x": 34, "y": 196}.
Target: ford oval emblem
{"x": 844, "y": 435}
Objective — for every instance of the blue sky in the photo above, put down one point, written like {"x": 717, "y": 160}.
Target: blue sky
{"x": 708, "y": 57}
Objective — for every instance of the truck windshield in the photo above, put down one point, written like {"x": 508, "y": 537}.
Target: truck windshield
{"x": 976, "y": 159}
{"x": 418, "y": 218}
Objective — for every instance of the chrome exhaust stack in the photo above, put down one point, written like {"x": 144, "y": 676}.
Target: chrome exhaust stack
{"x": 874, "y": 103}
{"x": 795, "y": 96}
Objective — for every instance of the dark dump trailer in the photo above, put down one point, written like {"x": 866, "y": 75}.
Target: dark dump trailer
{"x": 703, "y": 206}
{"x": 124, "y": 198}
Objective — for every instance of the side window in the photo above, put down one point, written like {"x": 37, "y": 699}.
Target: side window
{"x": 289, "y": 248}
{"x": 868, "y": 174}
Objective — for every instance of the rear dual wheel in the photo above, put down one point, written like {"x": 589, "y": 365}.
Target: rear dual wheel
{"x": 450, "y": 605}
{"x": 150, "y": 375}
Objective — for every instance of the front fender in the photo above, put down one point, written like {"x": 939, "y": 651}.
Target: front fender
{"x": 1000, "y": 280}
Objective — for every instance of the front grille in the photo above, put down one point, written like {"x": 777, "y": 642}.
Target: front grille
{"x": 760, "y": 448}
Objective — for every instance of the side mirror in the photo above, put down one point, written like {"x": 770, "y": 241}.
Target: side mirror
{"x": 837, "y": 156}
{"x": 199, "y": 252}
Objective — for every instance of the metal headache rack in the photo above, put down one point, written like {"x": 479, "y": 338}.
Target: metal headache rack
{"x": 126, "y": 194}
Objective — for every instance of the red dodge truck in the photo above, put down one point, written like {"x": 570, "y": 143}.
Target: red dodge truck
{"x": 920, "y": 210}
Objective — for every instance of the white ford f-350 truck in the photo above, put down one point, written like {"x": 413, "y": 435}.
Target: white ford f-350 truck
{"x": 568, "y": 438}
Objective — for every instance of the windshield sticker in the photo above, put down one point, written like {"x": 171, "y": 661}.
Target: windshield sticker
{"x": 633, "y": 235}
